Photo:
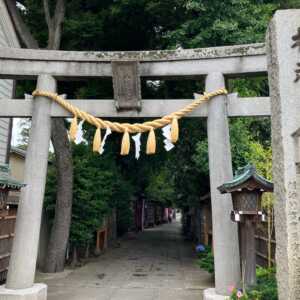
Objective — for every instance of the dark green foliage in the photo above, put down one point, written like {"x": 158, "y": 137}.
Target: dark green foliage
{"x": 93, "y": 190}
{"x": 206, "y": 260}
{"x": 154, "y": 24}
{"x": 103, "y": 182}
{"x": 243, "y": 131}
{"x": 98, "y": 187}
{"x": 123, "y": 197}
{"x": 214, "y": 22}
{"x": 161, "y": 187}
{"x": 266, "y": 288}
{"x": 190, "y": 180}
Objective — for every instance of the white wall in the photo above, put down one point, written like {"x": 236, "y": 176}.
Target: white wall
{"x": 7, "y": 39}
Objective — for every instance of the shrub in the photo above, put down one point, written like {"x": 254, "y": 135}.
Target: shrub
{"x": 266, "y": 286}
{"x": 206, "y": 260}
{"x": 265, "y": 289}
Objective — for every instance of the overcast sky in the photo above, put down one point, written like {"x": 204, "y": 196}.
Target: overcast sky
{"x": 16, "y": 133}
{"x": 17, "y": 128}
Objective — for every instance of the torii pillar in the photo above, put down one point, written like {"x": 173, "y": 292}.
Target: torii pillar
{"x": 225, "y": 232}
{"x": 21, "y": 274}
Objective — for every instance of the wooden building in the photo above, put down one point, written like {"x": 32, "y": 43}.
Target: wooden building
{"x": 154, "y": 213}
{"x": 8, "y": 38}
{"x": 139, "y": 214}
{"x": 8, "y": 212}
{"x": 149, "y": 214}
{"x": 205, "y": 237}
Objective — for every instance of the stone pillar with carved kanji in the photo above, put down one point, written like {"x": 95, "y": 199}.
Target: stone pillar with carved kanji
{"x": 283, "y": 51}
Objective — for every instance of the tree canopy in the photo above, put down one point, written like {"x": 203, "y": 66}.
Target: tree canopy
{"x": 181, "y": 175}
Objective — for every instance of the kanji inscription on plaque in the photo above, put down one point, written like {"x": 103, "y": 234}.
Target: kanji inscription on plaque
{"x": 126, "y": 83}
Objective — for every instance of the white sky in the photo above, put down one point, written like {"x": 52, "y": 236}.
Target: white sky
{"x": 16, "y": 132}
{"x": 17, "y": 128}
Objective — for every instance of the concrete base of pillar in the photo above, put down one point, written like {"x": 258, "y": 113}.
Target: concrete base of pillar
{"x": 37, "y": 292}
{"x": 210, "y": 294}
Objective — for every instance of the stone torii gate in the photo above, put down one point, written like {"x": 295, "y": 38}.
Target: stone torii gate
{"x": 50, "y": 66}
{"x": 216, "y": 64}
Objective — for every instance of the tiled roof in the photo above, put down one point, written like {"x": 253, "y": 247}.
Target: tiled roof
{"x": 6, "y": 181}
{"x": 242, "y": 176}
{"x": 18, "y": 151}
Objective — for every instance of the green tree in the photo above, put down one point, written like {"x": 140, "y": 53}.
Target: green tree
{"x": 52, "y": 15}
{"x": 161, "y": 187}
{"x": 98, "y": 187}
{"x": 155, "y": 24}
{"x": 216, "y": 23}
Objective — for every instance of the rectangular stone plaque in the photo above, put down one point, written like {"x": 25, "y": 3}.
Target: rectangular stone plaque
{"x": 126, "y": 84}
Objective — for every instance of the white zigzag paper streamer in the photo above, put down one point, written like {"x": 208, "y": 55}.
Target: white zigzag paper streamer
{"x": 78, "y": 138}
{"x": 107, "y": 133}
{"x": 168, "y": 145}
{"x": 137, "y": 142}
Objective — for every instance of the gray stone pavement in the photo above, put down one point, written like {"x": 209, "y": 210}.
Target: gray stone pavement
{"x": 158, "y": 264}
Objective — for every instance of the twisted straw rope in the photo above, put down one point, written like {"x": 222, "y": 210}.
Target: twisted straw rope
{"x": 127, "y": 127}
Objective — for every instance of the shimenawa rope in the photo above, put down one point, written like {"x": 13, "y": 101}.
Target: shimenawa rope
{"x": 127, "y": 128}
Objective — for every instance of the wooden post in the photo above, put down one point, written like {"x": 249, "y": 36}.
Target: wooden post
{"x": 248, "y": 251}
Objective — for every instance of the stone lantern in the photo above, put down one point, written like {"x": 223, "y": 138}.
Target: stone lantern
{"x": 7, "y": 183}
{"x": 247, "y": 188}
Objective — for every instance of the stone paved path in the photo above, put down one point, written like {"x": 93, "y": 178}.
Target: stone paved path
{"x": 158, "y": 265}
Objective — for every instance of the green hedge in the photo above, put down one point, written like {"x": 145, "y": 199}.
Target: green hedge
{"x": 265, "y": 289}
{"x": 206, "y": 260}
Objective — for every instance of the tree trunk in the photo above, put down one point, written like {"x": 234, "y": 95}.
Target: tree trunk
{"x": 60, "y": 230}
{"x": 59, "y": 236}
{"x": 74, "y": 263}
{"x": 87, "y": 251}
{"x": 21, "y": 28}
{"x": 61, "y": 226}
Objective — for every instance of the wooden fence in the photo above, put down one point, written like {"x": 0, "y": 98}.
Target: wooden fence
{"x": 261, "y": 238}
{"x": 7, "y": 228}
{"x": 205, "y": 235}
{"x": 262, "y": 242}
